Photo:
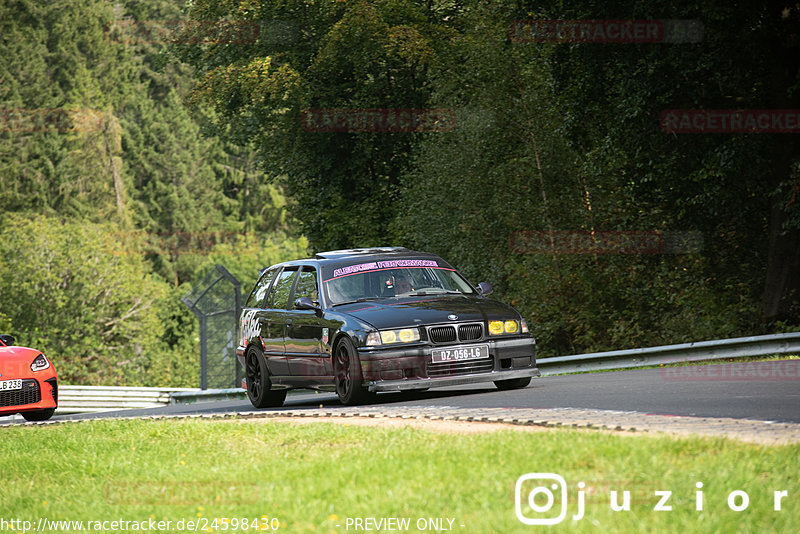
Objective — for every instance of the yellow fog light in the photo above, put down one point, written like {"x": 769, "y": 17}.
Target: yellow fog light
{"x": 406, "y": 335}
{"x": 388, "y": 336}
{"x": 495, "y": 327}
{"x": 511, "y": 327}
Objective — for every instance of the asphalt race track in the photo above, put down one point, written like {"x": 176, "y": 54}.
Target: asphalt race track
{"x": 770, "y": 391}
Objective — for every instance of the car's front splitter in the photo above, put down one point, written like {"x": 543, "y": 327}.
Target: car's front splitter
{"x": 426, "y": 383}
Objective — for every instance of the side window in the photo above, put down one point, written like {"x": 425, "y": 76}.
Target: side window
{"x": 307, "y": 285}
{"x": 257, "y": 296}
{"x": 279, "y": 296}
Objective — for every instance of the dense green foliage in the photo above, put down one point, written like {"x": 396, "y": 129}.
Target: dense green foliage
{"x": 180, "y": 155}
{"x": 111, "y": 213}
{"x": 549, "y": 137}
{"x": 98, "y": 307}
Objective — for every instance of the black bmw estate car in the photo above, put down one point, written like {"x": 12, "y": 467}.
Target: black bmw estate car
{"x": 383, "y": 319}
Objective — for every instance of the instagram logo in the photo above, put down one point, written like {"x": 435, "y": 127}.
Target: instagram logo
{"x": 534, "y": 494}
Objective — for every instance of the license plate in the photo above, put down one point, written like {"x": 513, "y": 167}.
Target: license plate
{"x": 10, "y": 385}
{"x": 460, "y": 353}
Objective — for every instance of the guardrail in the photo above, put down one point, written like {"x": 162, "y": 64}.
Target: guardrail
{"x": 81, "y": 399}
{"x": 683, "y": 352}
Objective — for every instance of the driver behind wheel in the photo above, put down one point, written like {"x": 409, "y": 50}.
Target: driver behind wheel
{"x": 402, "y": 285}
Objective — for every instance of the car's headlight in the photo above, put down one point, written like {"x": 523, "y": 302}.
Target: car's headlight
{"x": 40, "y": 363}
{"x": 391, "y": 337}
{"x": 497, "y": 328}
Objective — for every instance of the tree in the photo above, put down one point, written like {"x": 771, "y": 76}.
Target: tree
{"x": 72, "y": 291}
{"x": 735, "y": 188}
{"x": 357, "y": 55}
{"x": 60, "y": 138}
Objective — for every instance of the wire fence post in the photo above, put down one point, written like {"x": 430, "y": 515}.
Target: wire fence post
{"x": 216, "y": 302}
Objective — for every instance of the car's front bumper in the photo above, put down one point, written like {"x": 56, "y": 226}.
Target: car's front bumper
{"x": 38, "y": 394}
{"x": 409, "y": 368}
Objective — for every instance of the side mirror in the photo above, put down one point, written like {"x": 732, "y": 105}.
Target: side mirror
{"x": 485, "y": 288}
{"x": 8, "y": 340}
{"x": 305, "y": 303}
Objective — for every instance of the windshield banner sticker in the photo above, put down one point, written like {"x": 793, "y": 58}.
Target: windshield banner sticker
{"x": 388, "y": 264}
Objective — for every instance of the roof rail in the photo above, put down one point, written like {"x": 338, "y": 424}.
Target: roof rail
{"x": 359, "y": 251}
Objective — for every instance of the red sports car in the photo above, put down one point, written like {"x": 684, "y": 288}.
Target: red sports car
{"x": 28, "y": 382}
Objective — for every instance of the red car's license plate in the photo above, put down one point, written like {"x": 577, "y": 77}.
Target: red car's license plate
{"x": 10, "y": 385}
{"x": 457, "y": 354}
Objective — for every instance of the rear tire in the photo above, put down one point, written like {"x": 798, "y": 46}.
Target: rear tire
{"x": 347, "y": 370}
{"x": 514, "y": 383}
{"x": 39, "y": 415}
{"x": 258, "y": 384}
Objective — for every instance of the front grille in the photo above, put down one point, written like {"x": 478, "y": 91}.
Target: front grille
{"x": 442, "y": 334}
{"x": 466, "y": 367}
{"x": 470, "y": 332}
{"x": 29, "y": 394}
{"x": 447, "y": 334}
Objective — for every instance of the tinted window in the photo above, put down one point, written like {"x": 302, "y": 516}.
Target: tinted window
{"x": 307, "y": 285}
{"x": 257, "y": 296}
{"x": 279, "y": 296}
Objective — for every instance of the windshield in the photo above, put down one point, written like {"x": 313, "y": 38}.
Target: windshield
{"x": 390, "y": 283}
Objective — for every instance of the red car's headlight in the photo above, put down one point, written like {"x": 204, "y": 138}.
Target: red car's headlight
{"x": 40, "y": 363}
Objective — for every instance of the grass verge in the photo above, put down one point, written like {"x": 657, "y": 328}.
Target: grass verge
{"x": 322, "y": 477}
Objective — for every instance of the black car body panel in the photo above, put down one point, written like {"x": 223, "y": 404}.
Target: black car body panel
{"x": 432, "y": 335}
{"x": 428, "y": 310}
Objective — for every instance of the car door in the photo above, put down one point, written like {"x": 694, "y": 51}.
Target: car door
{"x": 307, "y": 333}
{"x": 273, "y": 323}
{"x": 252, "y": 317}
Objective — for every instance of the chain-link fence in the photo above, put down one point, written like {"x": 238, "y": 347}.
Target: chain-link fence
{"x": 216, "y": 301}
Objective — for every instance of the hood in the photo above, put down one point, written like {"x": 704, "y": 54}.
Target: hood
{"x": 420, "y": 311}
{"x": 15, "y": 361}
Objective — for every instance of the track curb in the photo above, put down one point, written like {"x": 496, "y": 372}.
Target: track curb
{"x": 747, "y": 430}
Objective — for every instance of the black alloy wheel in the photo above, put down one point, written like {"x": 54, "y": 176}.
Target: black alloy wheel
{"x": 258, "y": 383}
{"x": 347, "y": 369}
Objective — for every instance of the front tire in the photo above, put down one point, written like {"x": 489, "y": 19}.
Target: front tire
{"x": 347, "y": 370}
{"x": 514, "y": 383}
{"x": 258, "y": 384}
{"x": 39, "y": 415}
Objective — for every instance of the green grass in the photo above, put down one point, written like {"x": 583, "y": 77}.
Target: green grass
{"x": 312, "y": 477}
